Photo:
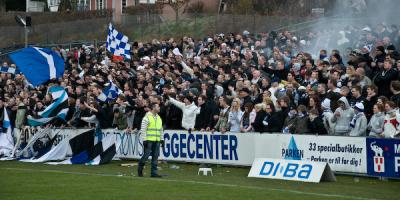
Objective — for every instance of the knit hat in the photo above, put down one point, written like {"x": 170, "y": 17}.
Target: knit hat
{"x": 359, "y": 107}
{"x": 391, "y": 47}
{"x": 326, "y": 103}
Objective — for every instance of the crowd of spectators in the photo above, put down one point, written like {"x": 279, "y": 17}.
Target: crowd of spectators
{"x": 250, "y": 82}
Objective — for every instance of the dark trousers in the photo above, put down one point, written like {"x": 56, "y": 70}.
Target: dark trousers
{"x": 153, "y": 149}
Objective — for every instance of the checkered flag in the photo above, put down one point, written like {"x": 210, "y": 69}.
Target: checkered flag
{"x": 117, "y": 43}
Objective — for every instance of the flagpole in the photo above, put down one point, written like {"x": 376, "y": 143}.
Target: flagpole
{"x": 26, "y": 36}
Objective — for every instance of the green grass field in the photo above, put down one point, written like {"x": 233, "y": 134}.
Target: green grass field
{"x": 112, "y": 181}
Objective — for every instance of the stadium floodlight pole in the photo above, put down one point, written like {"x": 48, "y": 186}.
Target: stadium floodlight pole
{"x": 23, "y": 23}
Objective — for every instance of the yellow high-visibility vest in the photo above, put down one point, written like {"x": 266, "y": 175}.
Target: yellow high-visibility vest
{"x": 154, "y": 128}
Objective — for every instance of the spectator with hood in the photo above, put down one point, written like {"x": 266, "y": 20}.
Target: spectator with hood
{"x": 327, "y": 116}
{"x": 342, "y": 117}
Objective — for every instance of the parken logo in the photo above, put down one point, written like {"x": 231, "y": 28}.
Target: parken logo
{"x": 292, "y": 152}
{"x": 286, "y": 170}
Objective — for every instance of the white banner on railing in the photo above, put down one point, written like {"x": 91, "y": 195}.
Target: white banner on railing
{"x": 346, "y": 154}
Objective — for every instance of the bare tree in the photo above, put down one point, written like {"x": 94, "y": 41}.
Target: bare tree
{"x": 2, "y": 5}
{"x": 177, "y": 5}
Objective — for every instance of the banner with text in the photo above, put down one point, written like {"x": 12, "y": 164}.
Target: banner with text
{"x": 346, "y": 154}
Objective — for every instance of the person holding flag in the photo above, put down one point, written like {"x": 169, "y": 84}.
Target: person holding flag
{"x": 6, "y": 138}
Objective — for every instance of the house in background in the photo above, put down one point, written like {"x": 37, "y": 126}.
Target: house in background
{"x": 118, "y": 6}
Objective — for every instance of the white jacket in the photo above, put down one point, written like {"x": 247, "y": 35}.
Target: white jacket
{"x": 328, "y": 124}
{"x": 234, "y": 120}
{"x": 189, "y": 113}
{"x": 391, "y": 126}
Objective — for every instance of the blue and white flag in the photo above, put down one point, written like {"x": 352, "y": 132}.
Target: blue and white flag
{"x": 9, "y": 70}
{"x": 117, "y": 43}
{"x": 58, "y": 109}
{"x": 109, "y": 93}
{"x": 100, "y": 153}
{"x": 38, "y": 64}
{"x": 6, "y": 138}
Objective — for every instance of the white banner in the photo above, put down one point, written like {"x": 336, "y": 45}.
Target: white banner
{"x": 346, "y": 154}
{"x": 293, "y": 170}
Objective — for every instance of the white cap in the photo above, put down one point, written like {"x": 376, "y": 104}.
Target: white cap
{"x": 326, "y": 103}
{"x": 359, "y": 107}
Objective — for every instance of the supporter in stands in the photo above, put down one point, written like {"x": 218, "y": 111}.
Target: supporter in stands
{"x": 327, "y": 116}
{"x": 342, "y": 117}
{"x": 395, "y": 88}
{"x": 375, "y": 125}
{"x": 316, "y": 123}
{"x": 222, "y": 124}
{"x": 248, "y": 118}
{"x": 272, "y": 121}
{"x": 370, "y": 100}
{"x": 391, "y": 127}
{"x": 235, "y": 115}
{"x": 358, "y": 125}
{"x": 384, "y": 77}
{"x": 189, "y": 110}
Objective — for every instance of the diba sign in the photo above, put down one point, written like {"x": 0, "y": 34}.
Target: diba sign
{"x": 294, "y": 170}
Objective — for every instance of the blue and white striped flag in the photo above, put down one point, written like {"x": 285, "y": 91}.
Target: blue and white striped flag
{"x": 109, "y": 93}
{"x": 58, "y": 109}
{"x": 117, "y": 43}
{"x": 6, "y": 138}
{"x": 38, "y": 64}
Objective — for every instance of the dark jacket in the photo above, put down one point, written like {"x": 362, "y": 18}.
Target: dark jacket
{"x": 396, "y": 99}
{"x": 275, "y": 122}
{"x": 258, "y": 121}
{"x": 369, "y": 105}
{"x": 174, "y": 118}
{"x": 203, "y": 120}
{"x": 383, "y": 79}
{"x": 317, "y": 126}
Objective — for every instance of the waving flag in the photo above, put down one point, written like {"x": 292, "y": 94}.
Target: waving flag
{"x": 58, "y": 109}
{"x": 6, "y": 139}
{"x": 38, "y": 64}
{"x": 109, "y": 93}
{"x": 84, "y": 152}
{"x": 117, "y": 43}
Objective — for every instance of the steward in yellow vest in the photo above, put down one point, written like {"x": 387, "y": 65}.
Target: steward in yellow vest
{"x": 151, "y": 132}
